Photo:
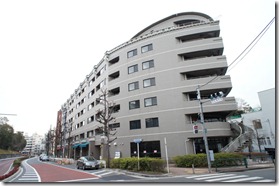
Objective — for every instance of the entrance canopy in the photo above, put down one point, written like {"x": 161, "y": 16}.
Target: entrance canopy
{"x": 83, "y": 145}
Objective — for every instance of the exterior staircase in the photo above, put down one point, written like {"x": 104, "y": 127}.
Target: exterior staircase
{"x": 244, "y": 136}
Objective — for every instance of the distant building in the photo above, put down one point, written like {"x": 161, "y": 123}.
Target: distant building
{"x": 34, "y": 145}
{"x": 153, "y": 80}
{"x": 263, "y": 123}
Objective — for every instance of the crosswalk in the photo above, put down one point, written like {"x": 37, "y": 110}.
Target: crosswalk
{"x": 30, "y": 174}
{"x": 107, "y": 173}
{"x": 102, "y": 173}
{"x": 226, "y": 177}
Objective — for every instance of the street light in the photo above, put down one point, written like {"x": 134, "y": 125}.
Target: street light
{"x": 204, "y": 130}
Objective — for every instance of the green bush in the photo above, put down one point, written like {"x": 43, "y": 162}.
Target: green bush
{"x": 146, "y": 164}
{"x": 17, "y": 162}
{"x": 200, "y": 160}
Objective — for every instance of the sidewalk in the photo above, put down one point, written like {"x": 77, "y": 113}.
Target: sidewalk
{"x": 183, "y": 171}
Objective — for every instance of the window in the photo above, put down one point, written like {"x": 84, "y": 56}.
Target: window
{"x": 132, "y": 69}
{"x": 90, "y": 119}
{"x": 135, "y": 124}
{"x": 133, "y": 86}
{"x": 147, "y": 64}
{"x": 101, "y": 71}
{"x": 132, "y": 53}
{"x": 150, "y": 101}
{"x": 91, "y": 81}
{"x": 151, "y": 122}
{"x": 101, "y": 85}
{"x": 114, "y": 125}
{"x": 113, "y": 61}
{"x": 149, "y": 82}
{"x": 146, "y": 48}
{"x": 91, "y": 105}
{"x": 134, "y": 104}
{"x": 268, "y": 140}
{"x": 91, "y": 93}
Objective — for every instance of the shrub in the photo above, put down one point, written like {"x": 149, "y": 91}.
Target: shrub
{"x": 200, "y": 160}
{"x": 146, "y": 164}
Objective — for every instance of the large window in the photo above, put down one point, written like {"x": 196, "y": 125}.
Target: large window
{"x": 146, "y": 149}
{"x": 132, "y": 69}
{"x": 149, "y": 82}
{"x": 146, "y": 48}
{"x": 150, "y": 101}
{"x": 151, "y": 122}
{"x": 132, "y": 53}
{"x": 133, "y": 86}
{"x": 134, "y": 104}
{"x": 147, "y": 64}
{"x": 135, "y": 124}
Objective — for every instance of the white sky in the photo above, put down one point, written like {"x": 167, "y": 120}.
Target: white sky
{"x": 48, "y": 47}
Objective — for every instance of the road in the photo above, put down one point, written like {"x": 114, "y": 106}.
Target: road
{"x": 37, "y": 171}
{"x": 6, "y": 164}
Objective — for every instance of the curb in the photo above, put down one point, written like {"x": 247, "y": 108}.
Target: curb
{"x": 19, "y": 171}
{"x": 140, "y": 174}
{"x": 245, "y": 169}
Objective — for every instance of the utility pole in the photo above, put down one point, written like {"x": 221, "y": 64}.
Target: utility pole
{"x": 204, "y": 130}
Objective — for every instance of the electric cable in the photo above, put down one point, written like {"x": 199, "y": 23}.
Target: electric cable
{"x": 258, "y": 36}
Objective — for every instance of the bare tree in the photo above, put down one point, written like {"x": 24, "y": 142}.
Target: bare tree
{"x": 104, "y": 116}
{"x": 69, "y": 139}
{"x": 242, "y": 105}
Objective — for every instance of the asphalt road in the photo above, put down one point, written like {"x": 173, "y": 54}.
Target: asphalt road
{"x": 37, "y": 171}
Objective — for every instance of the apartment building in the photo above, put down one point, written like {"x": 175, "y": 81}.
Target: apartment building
{"x": 153, "y": 80}
{"x": 34, "y": 145}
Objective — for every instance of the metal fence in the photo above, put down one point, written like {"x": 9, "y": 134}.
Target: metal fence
{"x": 3, "y": 156}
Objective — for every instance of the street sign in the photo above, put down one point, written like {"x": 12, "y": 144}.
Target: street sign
{"x": 195, "y": 129}
{"x": 137, "y": 140}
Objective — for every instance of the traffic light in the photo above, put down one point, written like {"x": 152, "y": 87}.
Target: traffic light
{"x": 195, "y": 129}
{"x": 216, "y": 97}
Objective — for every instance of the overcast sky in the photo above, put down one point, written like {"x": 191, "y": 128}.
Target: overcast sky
{"x": 48, "y": 47}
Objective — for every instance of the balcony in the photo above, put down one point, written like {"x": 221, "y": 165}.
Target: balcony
{"x": 201, "y": 48}
{"x": 227, "y": 105}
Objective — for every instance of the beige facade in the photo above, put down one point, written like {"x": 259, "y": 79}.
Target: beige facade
{"x": 153, "y": 78}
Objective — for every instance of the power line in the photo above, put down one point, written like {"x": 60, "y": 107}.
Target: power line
{"x": 259, "y": 35}
{"x": 253, "y": 44}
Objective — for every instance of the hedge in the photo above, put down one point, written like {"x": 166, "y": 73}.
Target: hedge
{"x": 146, "y": 164}
{"x": 200, "y": 160}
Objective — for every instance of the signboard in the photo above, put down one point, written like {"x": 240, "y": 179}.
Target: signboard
{"x": 211, "y": 155}
{"x": 137, "y": 140}
{"x": 117, "y": 155}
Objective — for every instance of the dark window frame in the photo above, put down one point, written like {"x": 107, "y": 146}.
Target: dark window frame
{"x": 137, "y": 104}
{"x": 136, "y": 85}
{"x": 154, "y": 101}
{"x": 148, "y": 48}
{"x": 135, "y": 124}
{"x": 152, "y": 122}
{"x": 150, "y": 64}
{"x": 134, "y": 67}
{"x": 152, "y": 82}
{"x": 132, "y": 53}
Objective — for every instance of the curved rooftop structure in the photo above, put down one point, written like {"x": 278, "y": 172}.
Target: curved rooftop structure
{"x": 184, "y": 18}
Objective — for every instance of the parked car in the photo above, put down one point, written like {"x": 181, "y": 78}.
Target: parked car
{"x": 87, "y": 162}
{"x": 44, "y": 158}
{"x": 41, "y": 155}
